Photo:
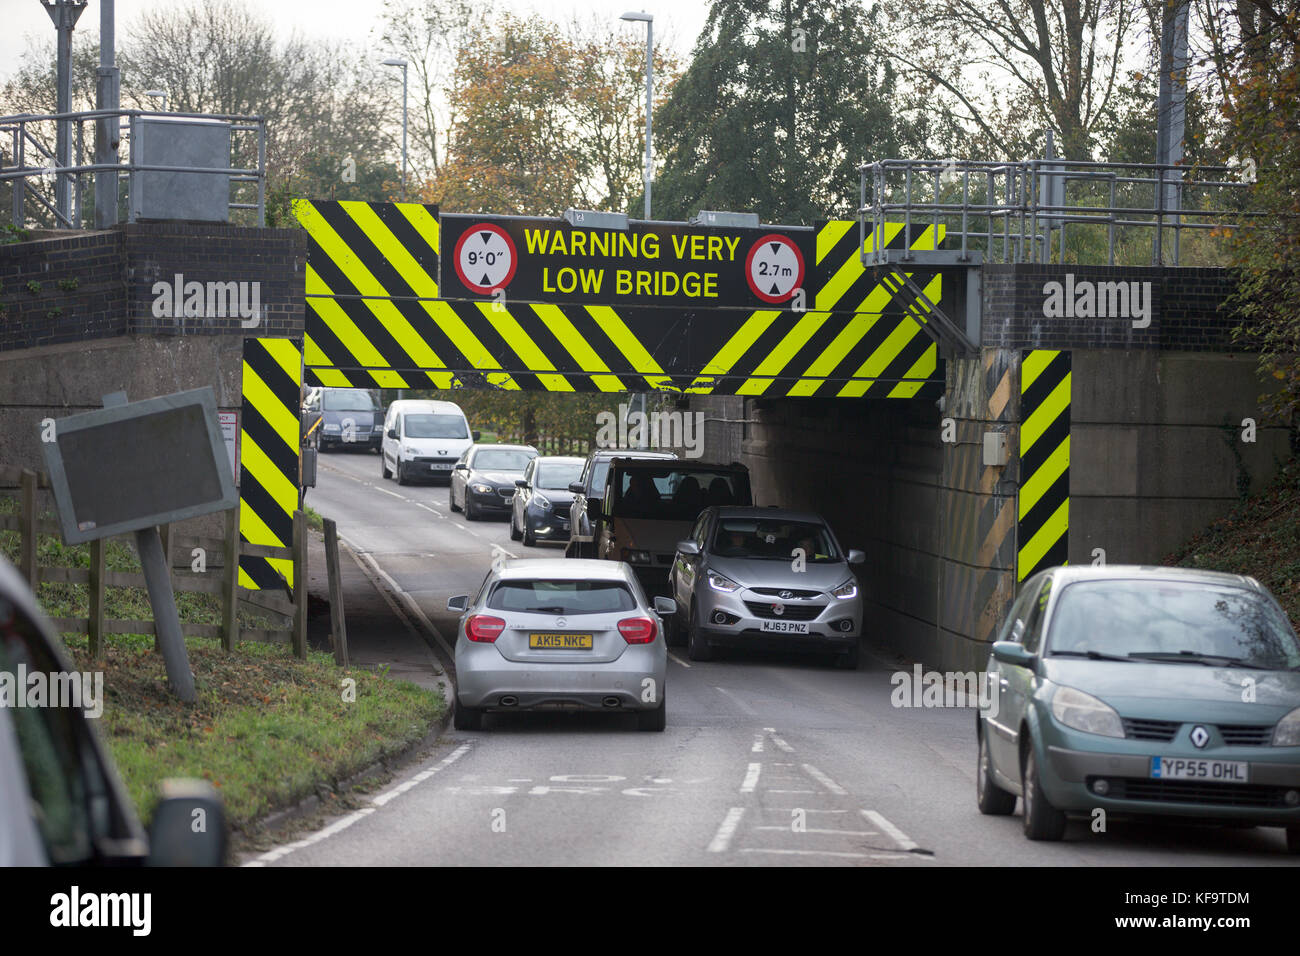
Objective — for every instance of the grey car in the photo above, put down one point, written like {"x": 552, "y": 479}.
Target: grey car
{"x": 540, "y": 508}
{"x": 348, "y": 418}
{"x": 484, "y": 479}
{"x": 556, "y": 633}
{"x": 766, "y": 578}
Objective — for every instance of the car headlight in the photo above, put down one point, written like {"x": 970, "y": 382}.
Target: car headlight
{"x": 632, "y": 556}
{"x": 1287, "y": 731}
{"x": 541, "y": 500}
{"x": 1084, "y": 712}
{"x": 330, "y": 428}
{"x": 720, "y": 582}
{"x": 410, "y": 451}
{"x": 482, "y": 489}
{"x": 848, "y": 589}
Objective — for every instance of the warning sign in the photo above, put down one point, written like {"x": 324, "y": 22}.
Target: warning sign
{"x": 485, "y": 258}
{"x": 659, "y": 264}
{"x": 774, "y": 268}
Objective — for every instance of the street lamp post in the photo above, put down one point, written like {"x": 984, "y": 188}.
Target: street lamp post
{"x": 158, "y": 94}
{"x": 398, "y": 61}
{"x": 649, "y": 21}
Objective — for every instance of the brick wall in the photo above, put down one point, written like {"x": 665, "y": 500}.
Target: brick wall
{"x": 1187, "y": 309}
{"x": 102, "y": 284}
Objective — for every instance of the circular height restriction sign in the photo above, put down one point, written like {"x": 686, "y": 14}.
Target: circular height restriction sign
{"x": 774, "y": 268}
{"x": 485, "y": 259}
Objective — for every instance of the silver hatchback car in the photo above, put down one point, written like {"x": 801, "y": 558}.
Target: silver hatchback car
{"x": 766, "y": 577}
{"x": 556, "y": 633}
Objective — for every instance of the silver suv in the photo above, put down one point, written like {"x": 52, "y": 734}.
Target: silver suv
{"x": 766, "y": 578}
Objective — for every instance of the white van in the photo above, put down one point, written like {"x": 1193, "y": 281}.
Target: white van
{"x": 423, "y": 439}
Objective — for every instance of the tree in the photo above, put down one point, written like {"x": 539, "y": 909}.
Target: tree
{"x": 1010, "y": 68}
{"x": 781, "y": 103}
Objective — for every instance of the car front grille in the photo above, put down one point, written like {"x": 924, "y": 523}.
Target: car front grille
{"x": 792, "y": 592}
{"x": 432, "y": 461}
{"x": 506, "y": 492}
{"x": 790, "y": 612}
{"x": 1247, "y": 735}
{"x": 1161, "y": 730}
{"x": 1196, "y": 791}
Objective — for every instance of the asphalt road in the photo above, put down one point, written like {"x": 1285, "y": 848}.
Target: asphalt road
{"x": 767, "y": 760}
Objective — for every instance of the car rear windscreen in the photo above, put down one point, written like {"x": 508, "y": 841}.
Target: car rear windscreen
{"x": 677, "y": 494}
{"x": 562, "y": 597}
{"x": 348, "y": 400}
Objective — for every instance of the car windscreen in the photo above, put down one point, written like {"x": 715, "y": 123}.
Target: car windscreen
{"x": 499, "y": 459}
{"x": 435, "y": 426}
{"x": 676, "y": 494}
{"x": 562, "y": 597}
{"x": 774, "y": 540}
{"x": 1173, "y": 620}
{"x": 348, "y": 400}
{"x": 557, "y": 475}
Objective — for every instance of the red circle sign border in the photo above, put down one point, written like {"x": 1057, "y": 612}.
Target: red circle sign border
{"x": 470, "y": 283}
{"x": 749, "y": 277}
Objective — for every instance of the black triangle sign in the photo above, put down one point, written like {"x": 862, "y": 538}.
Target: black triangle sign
{"x": 776, "y": 246}
{"x": 485, "y": 236}
{"x": 775, "y": 290}
{"x": 487, "y": 280}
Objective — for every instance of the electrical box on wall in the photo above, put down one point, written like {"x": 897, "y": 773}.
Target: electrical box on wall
{"x": 995, "y": 449}
{"x": 185, "y": 142}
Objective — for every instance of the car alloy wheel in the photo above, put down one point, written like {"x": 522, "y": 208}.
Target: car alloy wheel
{"x": 697, "y": 648}
{"x": 992, "y": 800}
{"x": 1042, "y": 821}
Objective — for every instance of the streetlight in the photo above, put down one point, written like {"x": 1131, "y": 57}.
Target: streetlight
{"x": 156, "y": 94}
{"x": 398, "y": 61}
{"x": 649, "y": 21}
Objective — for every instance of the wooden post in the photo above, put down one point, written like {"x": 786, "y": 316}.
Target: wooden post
{"x": 300, "y": 584}
{"x": 338, "y": 622}
{"x": 230, "y": 581}
{"x": 95, "y": 629}
{"x": 27, "y": 534}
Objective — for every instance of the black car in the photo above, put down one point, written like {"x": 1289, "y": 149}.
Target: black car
{"x": 584, "y": 522}
{"x": 483, "y": 481}
{"x": 542, "y": 499}
{"x": 348, "y": 418}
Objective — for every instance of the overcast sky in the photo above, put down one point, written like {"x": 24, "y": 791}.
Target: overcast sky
{"x": 677, "y": 21}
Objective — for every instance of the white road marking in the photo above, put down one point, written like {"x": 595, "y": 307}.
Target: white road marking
{"x": 758, "y": 744}
{"x": 781, "y": 744}
{"x": 338, "y": 826}
{"x": 391, "y": 494}
{"x": 722, "y": 839}
{"x": 749, "y": 711}
{"x": 791, "y": 791}
{"x": 751, "y": 778}
{"x": 824, "y": 780}
{"x": 839, "y": 854}
{"x": 675, "y": 658}
{"x": 902, "y": 839}
{"x": 822, "y": 831}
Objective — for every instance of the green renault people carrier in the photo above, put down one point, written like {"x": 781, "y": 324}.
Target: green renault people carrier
{"x": 1143, "y": 691}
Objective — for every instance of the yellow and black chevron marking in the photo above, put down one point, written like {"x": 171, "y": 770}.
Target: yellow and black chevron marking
{"x": 1042, "y": 533}
{"x": 374, "y": 319}
{"x": 268, "y": 456}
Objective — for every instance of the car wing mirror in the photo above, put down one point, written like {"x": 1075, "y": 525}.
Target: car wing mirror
{"x": 665, "y": 606}
{"x": 474, "y": 435}
{"x": 521, "y": 483}
{"x": 575, "y": 487}
{"x": 459, "y": 603}
{"x": 687, "y": 547}
{"x": 392, "y": 433}
{"x": 856, "y": 556}
{"x": 189, "y": 825}
{"x": 1009, "y": 652}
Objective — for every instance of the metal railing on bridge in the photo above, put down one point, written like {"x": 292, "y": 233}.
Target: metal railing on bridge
{"x": 1049, "y": 210}
{"x": 29, "y": 162}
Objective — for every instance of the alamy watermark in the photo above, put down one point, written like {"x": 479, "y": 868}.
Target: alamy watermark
{"x": 80, "y": 690}
{"x": 1088, "y": 299}
{"x": 666, "y": 430}
{"x": 208, "y": 300}
{"x": 922, "y": 688}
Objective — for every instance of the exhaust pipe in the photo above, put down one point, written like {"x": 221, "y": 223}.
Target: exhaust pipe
{"x": 509, "y": 700}
{"x": 612, "y": 702}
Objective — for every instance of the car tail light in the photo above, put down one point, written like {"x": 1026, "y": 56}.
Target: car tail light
{"x": 484, "y": 628}
{"x": 638, "y": 630}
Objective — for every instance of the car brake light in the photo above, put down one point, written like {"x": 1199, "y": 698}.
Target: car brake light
{"x": 638, "y": 630}
{"x": 484, "y": 628}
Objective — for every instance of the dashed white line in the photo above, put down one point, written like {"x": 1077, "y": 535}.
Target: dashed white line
{"x": 673, "y": 657}
{"x": 751, "y": 778}
{"x": 749, "y": 711}
{"x": 824, "y": 780}
{"x": 781, "y": 744}
{"x": 902, "y": 839}
{"x": 338, "y": 826}
{"x": 758, "y": 744}
{"x": 823, "y": 831}
{"x": 722, "y": 839}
